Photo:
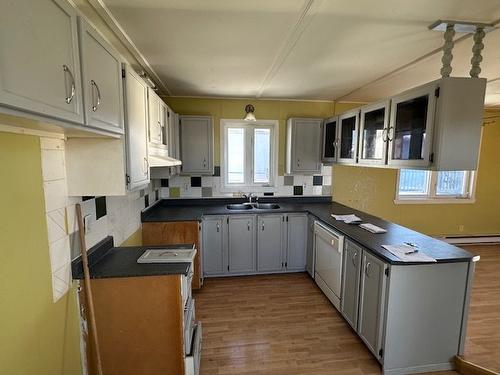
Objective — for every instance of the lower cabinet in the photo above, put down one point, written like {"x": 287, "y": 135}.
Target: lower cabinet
{"x": 248, "y": 244}
{"x": 350, "y": 282}
{"x": 372, "y": 302}
{"x": 241, "y": 244}
{"x": 310, "y": 246}
{"x": 296, "y": 242}
{"x": 270, "y": 243}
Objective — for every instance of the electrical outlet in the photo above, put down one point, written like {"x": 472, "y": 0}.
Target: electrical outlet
{"x": 86, "y": 223}
{"x": 461, "y": 228}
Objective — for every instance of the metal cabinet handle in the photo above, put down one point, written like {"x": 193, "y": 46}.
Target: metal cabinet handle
{"x": 248, "y": 226}
{"x": 389, "y": 136}
{"x": 96, "y": 102}
{"x": 146, "y": 166}
{"x": 384, "y": 135}
{"x": 204, "y": 162}
{"x": 70, "y": 97}
{"x": 367, "y": 269}
{"x": 298, "y": 162}
{"x": 262, "y": 226}
{"x": 218, "y": 227}
{"x": 354, "y": 258}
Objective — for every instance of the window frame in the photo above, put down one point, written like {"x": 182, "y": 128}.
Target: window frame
{"x": 249, "y": 185}
{"x": 432, "y": 197}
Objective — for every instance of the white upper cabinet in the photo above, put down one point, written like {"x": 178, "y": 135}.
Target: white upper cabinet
{"x": 348, "y": 130}
{"x": 411, "y": 127}
{"x": 102, "y": 80}
{"x": 39, "y": 64}
{"x": 197, "y": 144}
{"x": 330, "y": 141}
{"x": 303, "y": 150}
{"x": 373, "y": 127}
{"x": 136, "y": 122}
{"x": 156, "y": 118}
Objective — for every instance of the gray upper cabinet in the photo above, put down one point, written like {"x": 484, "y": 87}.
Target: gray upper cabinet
{"x": 270, "y": 243}
{"x": 348, "y": 129}
{"x": 372, "y": 302}
{"x": 40, "y": 64}
{"x": 373, "y": 133}
{"x": 330, "y": 141}
{"x": 102, "y": 80}
{"x": 214, "y": 239}
{"x": 303, "y": 145}
{"x": 241, "y": 245}
{"x": 136, "y": 121}
{"x": 296, "y": 242}
{"x": 350, "y": 282}
{"x": 196, "y": 144}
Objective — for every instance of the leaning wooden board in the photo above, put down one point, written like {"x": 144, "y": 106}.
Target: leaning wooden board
{"x": 175, "y": 232}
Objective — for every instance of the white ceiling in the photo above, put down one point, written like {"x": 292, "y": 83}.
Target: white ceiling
{"x": 353, "y": 50}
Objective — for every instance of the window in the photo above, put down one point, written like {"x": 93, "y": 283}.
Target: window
{"x": 249, "y": 158}
{"x": 419, "y": 185}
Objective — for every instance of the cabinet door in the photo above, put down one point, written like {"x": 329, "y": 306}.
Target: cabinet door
{"x": 241, "y": 245}
{"x": 348, "y": 137}
{"x": 155, "y": 117}
{"x": 102, "y": 81}
{"x": 296, "y": 242}
{"x": 136, "y": 120}
{"x": 411, "y": 125}
{"x": 330, "y": 141}
{"x": 310, "y": 246}
{"x": 39, "y": 64}
{"x": 372, "y": 302}
{"x": 306, "y": 134}
{"x": 196, "y": 134}
{"x": 270, "y": 243}
{"x": 374, "y": 120}
{"x": 214, "y": 255}
{"x": 350, "y": 283}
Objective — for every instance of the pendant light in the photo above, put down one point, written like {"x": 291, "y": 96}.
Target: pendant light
{"x": 249, "y": 109}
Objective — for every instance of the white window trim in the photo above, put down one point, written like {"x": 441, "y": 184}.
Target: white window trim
{"x": 253, "y": 188}
{"x": 432, "y": 198}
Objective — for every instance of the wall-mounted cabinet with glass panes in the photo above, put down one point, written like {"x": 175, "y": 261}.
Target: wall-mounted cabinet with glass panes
{"x": 435, "y": 126}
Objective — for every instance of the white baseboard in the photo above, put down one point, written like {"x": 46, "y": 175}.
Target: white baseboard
{"x": 473, "y": 240}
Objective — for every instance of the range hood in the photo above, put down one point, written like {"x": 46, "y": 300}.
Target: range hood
{"x": 156, "y": 161}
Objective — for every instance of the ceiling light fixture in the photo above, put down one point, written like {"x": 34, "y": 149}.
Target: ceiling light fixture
{"x": 249, "y": 109}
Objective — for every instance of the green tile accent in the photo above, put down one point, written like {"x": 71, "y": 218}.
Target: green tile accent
{"x": 174, "y": 192}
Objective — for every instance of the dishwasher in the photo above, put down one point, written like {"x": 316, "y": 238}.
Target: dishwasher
{"x": 328, "y": 246}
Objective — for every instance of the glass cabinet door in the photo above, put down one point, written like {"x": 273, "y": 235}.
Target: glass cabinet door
{"x": 348, "y": 137}
{"x": 330, "y": 140}
{"x": 374, "y": 121}
{"x": 410, "y": 130}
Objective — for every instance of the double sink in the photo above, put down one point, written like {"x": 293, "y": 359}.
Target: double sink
{"x": 251, "y": 206}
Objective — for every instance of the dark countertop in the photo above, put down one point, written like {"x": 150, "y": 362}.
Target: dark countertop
{"x": 321, "y": 208}
{"x": 106, "y": 261}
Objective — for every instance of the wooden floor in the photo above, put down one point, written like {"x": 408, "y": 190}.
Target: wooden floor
{"x": 283, "y": 324}
{"x": 483, "y": 331}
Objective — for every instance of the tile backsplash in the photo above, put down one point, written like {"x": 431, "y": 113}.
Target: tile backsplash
{"x": 210, "y": 186}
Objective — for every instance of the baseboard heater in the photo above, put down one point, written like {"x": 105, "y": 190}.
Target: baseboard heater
{"x": 472, "y": 240}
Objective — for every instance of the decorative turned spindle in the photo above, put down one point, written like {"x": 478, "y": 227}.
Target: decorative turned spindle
{"x": 476, "y": 52}
{"x": 447, "y": 49}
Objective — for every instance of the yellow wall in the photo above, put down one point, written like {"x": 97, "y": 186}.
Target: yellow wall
{"x": 38, "y": 337}
{"x": 264, "y": 109}
{"x": 373, "y": 190}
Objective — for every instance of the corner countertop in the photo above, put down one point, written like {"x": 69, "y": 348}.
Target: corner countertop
{"x": 107, "y": 261}
{"x": 321, "y": 208}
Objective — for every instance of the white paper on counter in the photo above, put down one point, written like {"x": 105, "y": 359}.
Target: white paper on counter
{"x": 401, "y": 250}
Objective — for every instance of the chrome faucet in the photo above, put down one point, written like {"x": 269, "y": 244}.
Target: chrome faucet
{"x": 250, "y": 196}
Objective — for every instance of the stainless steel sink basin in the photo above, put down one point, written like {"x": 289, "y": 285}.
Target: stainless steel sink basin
{"x": 239, "y": 207}
{"x": 267, "y": 206}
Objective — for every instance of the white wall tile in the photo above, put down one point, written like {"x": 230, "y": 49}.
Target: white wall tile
{"x": 56, "y": 224}
{"x": 55, "y": 195}
{"x": 51, "y": 144}
{"x": 59, "y": 253}
{"x": 53, "y": 167}
{"x": 61, "y": 279}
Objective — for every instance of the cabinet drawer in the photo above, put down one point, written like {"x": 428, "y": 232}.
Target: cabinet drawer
{"x": 192, "y": 361}
{"x": 189, "y": 324}
{"x": 186, "y": 281}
